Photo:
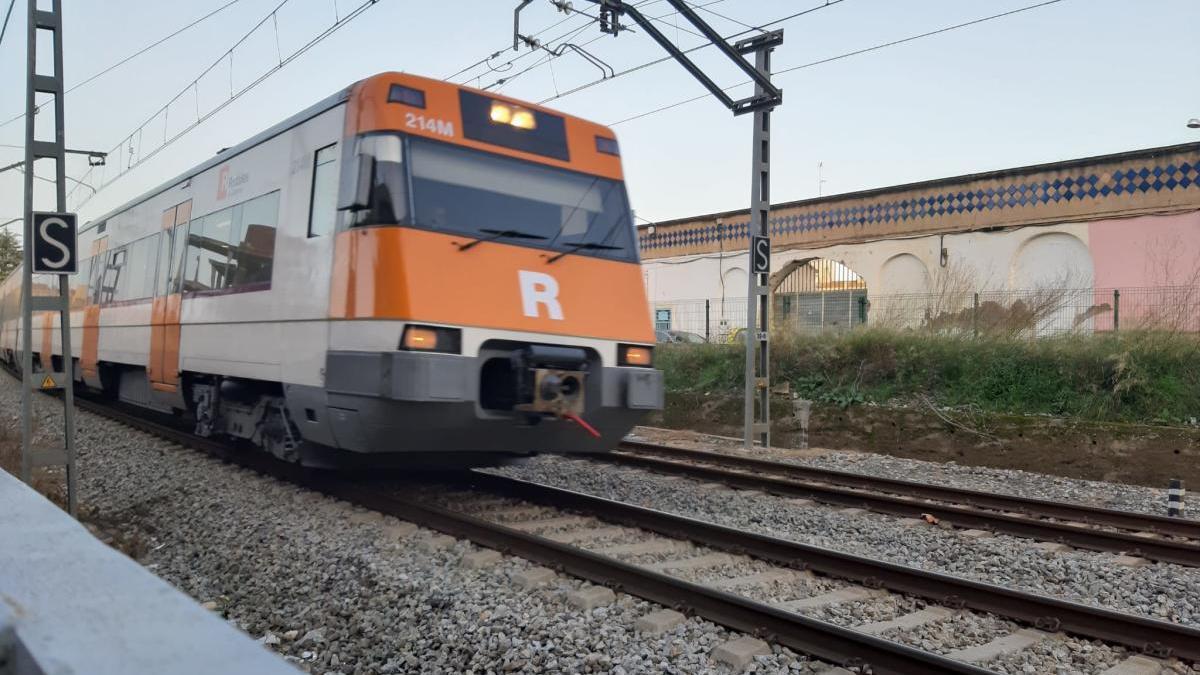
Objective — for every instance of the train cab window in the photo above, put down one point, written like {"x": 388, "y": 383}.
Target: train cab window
{"x": 387, "y": 203}
{"x": 470, "y": 192}
{"x": 322, "y": 215}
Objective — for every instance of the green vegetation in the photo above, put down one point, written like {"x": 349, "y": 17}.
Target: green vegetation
{"x": 1131, "y": 377}
{"x": 10, "y": 253}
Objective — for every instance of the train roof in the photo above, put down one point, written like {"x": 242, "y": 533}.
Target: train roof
{"x": 327, "y": 103}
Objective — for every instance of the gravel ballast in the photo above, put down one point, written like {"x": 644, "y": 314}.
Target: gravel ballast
{"x": 338, "y": 590}
{"x": 1001, "y": 481}
{"x": 1161, "y": 591}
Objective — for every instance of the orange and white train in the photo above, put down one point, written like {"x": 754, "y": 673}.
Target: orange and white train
{"x": 407, "y": 269}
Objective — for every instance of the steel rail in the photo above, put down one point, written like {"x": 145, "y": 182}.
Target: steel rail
{"x": 823, "y": 640}
{"x": 1157, "y": 638}
{"x": 810, "y": 636}
{"x": 1042, "y": 508}
{"x": 1079, "y": 536}
{"x": 1151, "y": 636}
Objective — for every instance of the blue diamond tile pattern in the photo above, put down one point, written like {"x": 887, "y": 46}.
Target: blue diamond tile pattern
{"x": 1124, "y": 181}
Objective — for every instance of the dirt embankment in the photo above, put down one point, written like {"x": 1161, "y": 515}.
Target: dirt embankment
{"x": 1126, "y": 453}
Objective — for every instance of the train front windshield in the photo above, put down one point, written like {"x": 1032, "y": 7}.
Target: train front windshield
{"x": 481, "y": 195}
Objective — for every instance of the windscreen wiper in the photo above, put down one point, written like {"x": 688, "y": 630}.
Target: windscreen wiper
{"x": 572, "y": 248}
{"x": 493, "y": 235}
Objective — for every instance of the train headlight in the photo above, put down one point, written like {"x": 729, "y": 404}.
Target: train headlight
{"x": 431, "y": 339}
{"x": 514, "y": 116}
{"x": 501, "y": 114}
{"x": 635, "y": 355}
{"x": 523, "y": 119}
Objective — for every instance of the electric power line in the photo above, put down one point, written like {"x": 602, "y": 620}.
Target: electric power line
{"x": 134, "y": 141}
{"x": 129, "y": 58}
{"x": 507, "y": 65}
{"x": 846, "y": 55}
{"x": 547, "y": 59}
{"x": 648, "y": 64}
{"x": 727, "y": 18}
{"x": 7, "y": 14}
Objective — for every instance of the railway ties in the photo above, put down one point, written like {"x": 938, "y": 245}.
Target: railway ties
{"x": 1133, "y": 537}
{"x": 823, "y": 574}
{"x": 737, "y": 579}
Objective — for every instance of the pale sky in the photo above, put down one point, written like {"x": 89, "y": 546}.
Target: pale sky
{"x": 1073, "y": 79}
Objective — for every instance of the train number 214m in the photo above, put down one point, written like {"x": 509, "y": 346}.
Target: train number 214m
{"x": 439, "y": 127}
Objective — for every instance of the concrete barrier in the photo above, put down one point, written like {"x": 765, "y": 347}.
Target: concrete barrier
{"x": 69, "y": 604}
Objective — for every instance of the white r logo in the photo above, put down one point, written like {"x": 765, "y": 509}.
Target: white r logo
{"x": 538, "y": 288}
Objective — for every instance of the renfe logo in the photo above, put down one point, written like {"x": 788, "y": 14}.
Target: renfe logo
{"x": 538, "y": 288}
{"x": 229, "y": 184}
{"x": 223, "y": 183}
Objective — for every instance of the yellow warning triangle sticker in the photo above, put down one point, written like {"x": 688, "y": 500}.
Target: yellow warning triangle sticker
{"x": 48, "y": 383}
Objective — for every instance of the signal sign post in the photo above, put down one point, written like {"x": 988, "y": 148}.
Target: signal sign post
{"x": 766, "y": 98}
{"x": 49, "y": 248}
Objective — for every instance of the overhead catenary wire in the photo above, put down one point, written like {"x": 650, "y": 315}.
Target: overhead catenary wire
{"x": 546, "y": 59}
{"x": 730, "y": 19}
{"x": 8, "y": 14}
{"x": 134, "y": 55}
{"x": 507, "y": 65}
{"x": 648, "y": 64}
{"x": 846, "y": 55}
{"x": 134, "y": 141}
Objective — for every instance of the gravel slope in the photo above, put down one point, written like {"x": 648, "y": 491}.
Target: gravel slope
{"x": 337, "y": 590}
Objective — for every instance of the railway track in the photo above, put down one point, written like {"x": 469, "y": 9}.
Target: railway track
{"x": 777, "y": 624}
{"x": 1172, "y": 540}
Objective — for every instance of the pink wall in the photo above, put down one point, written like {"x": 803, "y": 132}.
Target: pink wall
{"x": 1146, "y": 251}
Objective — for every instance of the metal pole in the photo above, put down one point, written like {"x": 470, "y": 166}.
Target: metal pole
{"x": 758, "y": 379}
{"x": 48, "y": 20}
{"x": 707, "y": 321}
{"x": 975, "y": 317}
{"x": 1116, "y": 310}
{"x": 27, "y": 256}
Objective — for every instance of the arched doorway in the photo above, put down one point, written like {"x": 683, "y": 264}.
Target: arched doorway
{"x": 818, "y": 295}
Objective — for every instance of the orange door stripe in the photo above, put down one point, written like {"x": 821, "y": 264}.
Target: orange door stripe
{"x": 47, "y": 339}
{"x": 90, "y": 350}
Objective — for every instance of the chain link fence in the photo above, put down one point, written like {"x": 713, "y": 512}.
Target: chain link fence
{"x": 1026, "y": 313}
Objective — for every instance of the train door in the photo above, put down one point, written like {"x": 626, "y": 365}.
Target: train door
{"x": 89, "y": 351}
{"x": 165, "y": 312}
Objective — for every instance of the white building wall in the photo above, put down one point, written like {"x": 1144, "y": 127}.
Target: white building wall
{"x": 1015, "y": 259}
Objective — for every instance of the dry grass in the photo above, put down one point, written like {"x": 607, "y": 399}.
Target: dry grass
{"x": 49, "y": 481}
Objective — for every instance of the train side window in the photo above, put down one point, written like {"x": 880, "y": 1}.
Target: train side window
{"x": 178, "y": 245}
{"x": 387, "y": 203}
{"x": 322, "y": 213}
{"x": 252, "y": 246}
{"x": 113, "y": 280}
{"x": 95, "y": 276}
{"x": 164, "y": 262}
{"x": 207, "y": 265}
{"x": 143, "y": 259}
